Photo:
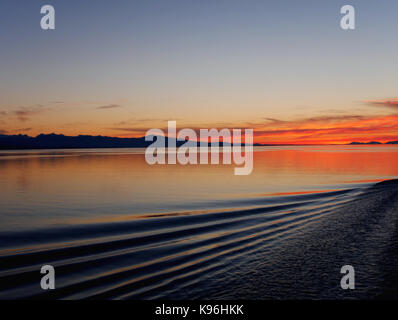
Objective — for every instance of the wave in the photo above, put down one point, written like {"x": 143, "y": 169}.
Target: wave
{"x": 157, "y": 255}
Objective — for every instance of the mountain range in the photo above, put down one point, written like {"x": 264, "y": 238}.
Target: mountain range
{"x": 60, "y": 141}
{"x": 372, "y": 142}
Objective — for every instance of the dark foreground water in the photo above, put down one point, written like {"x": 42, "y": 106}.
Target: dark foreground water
{"x": 176, "y": 243}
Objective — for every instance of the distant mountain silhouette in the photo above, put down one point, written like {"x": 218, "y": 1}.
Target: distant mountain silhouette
{"x": 60, "y": 141}
{"x": 371, "y": 142}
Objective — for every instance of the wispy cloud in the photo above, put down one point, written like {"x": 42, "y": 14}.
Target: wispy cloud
{"x": 110, "y": 106}
{"x": 272, "y": 127}
{"x": 328, "y": 128}
{"x": 22, "y": 130}
{"x": 138, "y": 131}
{"x": 24, "y": 113}
{"x": 274, "y": 121}
{"x": 3, "y": 131}
{"x": 134, "y": 121}
{"x": 281, "y": 126}
{"x": 390, "y": 103}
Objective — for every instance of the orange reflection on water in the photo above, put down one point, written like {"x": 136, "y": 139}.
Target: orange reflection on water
{"x": 46, "y": 187}
{"x": 297, "y": 192}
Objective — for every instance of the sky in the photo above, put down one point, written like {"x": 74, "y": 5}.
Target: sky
{"x": 119, "y": 68}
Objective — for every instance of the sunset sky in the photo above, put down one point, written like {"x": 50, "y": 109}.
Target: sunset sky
{"x": 283, "y": 68}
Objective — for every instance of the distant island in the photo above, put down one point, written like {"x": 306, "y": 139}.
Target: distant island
{"x": 60, "y": 141}
{"x": 372, "y": 142}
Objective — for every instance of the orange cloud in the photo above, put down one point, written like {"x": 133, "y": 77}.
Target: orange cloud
{"x": 322, "y": 130}
{"x": 313, "y": 130}
{"x": 391, "y": 103}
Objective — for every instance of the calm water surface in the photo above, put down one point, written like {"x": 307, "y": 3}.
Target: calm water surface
{"x": 116, "y": 227}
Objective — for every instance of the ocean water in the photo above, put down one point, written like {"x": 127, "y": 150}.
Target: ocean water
{"x": 115, "y": 227}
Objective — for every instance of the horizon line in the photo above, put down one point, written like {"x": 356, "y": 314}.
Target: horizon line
{"x": 254, "y": 144}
